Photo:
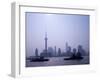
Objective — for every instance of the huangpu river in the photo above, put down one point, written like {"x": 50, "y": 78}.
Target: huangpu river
{"x": 57, "y": 61}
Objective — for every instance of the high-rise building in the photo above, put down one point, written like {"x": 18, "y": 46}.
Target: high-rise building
{"x": 36, "y": 52}
{"x": 59, "y": 52}
{"x": 50, "y": 52}
{"x": 66, "y": 47}
{"x": 55, "y": 51}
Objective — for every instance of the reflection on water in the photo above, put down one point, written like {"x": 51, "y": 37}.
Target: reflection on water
{"x": 57, "y": 61}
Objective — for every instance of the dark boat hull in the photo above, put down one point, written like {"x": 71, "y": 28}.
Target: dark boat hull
{"x": 38, "y": 60}
{"x": 75, "y": 58}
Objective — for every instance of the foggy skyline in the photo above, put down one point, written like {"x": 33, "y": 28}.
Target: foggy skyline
{"x": 60, "y": 28}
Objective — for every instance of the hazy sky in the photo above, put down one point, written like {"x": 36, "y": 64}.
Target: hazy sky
{"x": 60, "y": 29}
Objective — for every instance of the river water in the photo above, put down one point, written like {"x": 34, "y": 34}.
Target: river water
{"x": 58, "y": 61}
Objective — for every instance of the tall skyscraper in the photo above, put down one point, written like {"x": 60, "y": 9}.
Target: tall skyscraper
{"x": 66, "y": 47}
{"x": 59, "y": 52}
{"x": 46, "y": 42}
{"x": 55, "y": 50}
{"x": 36, "y": 52}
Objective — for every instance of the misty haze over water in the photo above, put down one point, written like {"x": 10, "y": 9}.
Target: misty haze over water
{"x": 56, "y": 36}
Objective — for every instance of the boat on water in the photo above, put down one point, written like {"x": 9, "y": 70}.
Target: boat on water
{"x": 74, "y": 58}
{"x": 39, "y": 59}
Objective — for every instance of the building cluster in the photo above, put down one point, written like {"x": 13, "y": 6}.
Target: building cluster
{"x": 57, "y": 52}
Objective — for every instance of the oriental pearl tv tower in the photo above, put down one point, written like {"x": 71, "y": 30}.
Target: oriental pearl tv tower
{"x": 46, "y": 42}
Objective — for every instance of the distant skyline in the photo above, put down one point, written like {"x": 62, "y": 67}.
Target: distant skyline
{"x": 60, "y": 28}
